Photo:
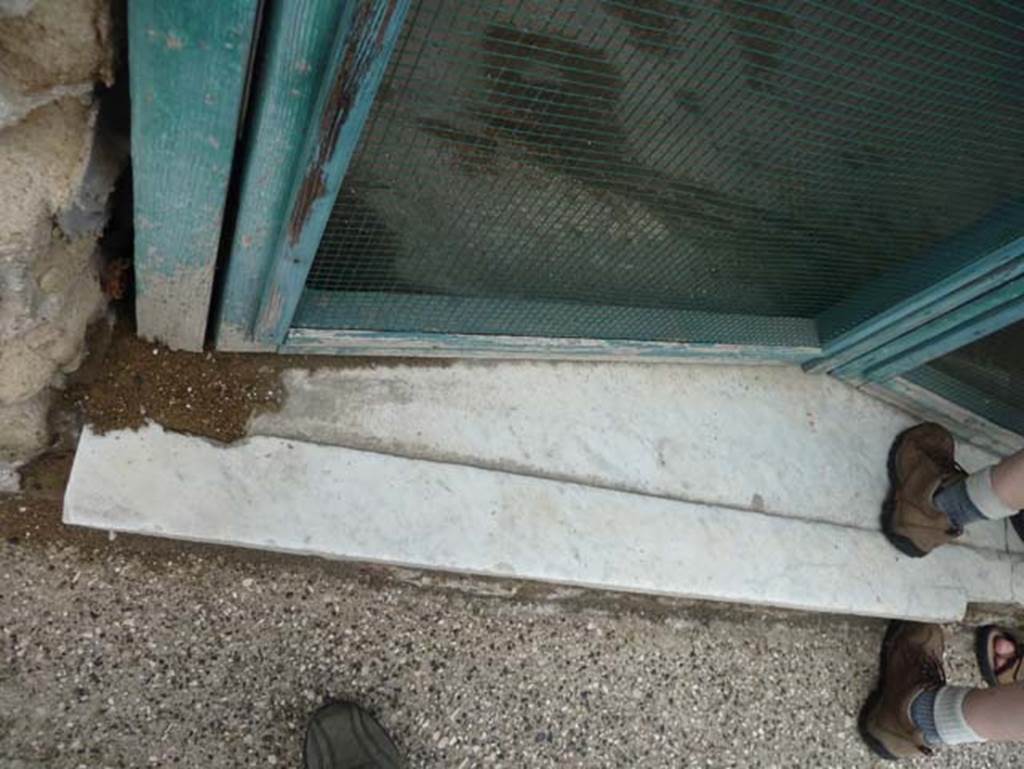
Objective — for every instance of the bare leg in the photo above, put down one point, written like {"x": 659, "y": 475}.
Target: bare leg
{"x": 998, "y": 713}
{"x": 1008, "y": 480}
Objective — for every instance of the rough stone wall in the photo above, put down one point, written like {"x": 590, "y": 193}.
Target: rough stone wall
{"x": 56, "y": 174}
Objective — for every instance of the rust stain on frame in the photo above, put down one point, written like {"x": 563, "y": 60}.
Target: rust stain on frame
{"x": 359, "y": 57}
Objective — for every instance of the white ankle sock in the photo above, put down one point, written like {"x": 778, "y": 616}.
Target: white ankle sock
{"x": 981, "y": 493}
{"x": 950, "y": 723}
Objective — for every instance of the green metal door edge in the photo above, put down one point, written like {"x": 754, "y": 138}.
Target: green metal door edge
{"x": 366, "y": 35}
{"x": 956, "y": 272}
{"x": 296, "y": 42}
{"x": 976, "y": 319}
{"x": 188, "y": 63}
{"x": 973, "y": 286}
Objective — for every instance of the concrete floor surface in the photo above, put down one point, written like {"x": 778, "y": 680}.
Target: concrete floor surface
{"x": 134, "y": 652}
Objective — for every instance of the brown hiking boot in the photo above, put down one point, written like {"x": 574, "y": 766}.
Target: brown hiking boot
{"x": 920, "y": 463}
{"x": 911, "y": 664}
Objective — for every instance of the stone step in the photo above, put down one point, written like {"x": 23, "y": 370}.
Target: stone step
{"x": 303, "y": 497}
{"x": 760, "y": 438}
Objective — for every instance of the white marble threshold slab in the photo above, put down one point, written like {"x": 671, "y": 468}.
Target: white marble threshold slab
{"x": 298, "y": 497}
{"x": 762, "y": 438}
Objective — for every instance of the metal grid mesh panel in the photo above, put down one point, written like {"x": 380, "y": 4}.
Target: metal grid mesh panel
{"x": 529, "y": 163}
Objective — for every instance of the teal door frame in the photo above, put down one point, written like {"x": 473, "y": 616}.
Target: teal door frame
{"x": 297, "y": 45}
{"x": 188, "y": 62}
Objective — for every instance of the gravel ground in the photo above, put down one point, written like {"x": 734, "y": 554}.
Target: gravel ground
{"x": 137, "y": 652}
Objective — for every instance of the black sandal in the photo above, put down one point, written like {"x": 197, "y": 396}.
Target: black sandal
{"x": 1010, "y": 672}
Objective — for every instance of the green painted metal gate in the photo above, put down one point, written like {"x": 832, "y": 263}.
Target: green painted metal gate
{"x": 832, "y": 183}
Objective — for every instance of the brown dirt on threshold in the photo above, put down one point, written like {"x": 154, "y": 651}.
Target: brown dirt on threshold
{"x": 127, "y": 381}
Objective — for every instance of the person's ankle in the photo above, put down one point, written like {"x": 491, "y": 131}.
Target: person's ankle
{"x": 1007, "y": 486}
{"x": 984, "y": 492}
{"x": 954, "y": 501}
{"x": 971, "y": 499}
{"x": 939, "y": 714}
{"x": 922, "y": 713}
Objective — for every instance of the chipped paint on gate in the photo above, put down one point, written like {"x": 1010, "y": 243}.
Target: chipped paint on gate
{"x": 367, "y": 35}
{"x": 344, "y": 92}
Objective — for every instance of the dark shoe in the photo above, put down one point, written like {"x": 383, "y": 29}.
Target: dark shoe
{"x": 911, "y": 664}
{"x": 920, "y": 464}
{"x": 1012, "y": 670}
{"x": 342, "y": 735}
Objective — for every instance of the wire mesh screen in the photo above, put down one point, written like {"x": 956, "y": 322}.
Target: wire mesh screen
{"x": 658, "y": 169}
